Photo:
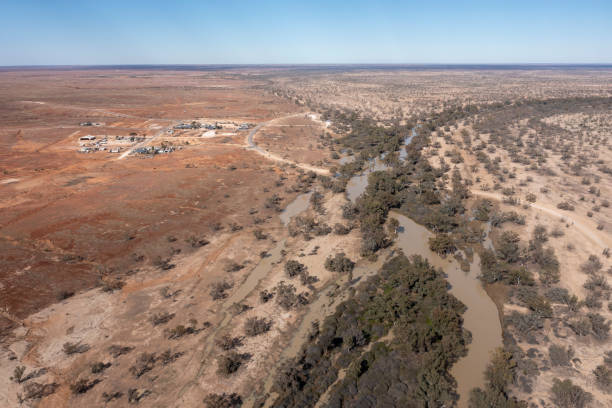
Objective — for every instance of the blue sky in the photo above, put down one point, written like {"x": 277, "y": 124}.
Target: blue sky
{"x": 56, "y": 32}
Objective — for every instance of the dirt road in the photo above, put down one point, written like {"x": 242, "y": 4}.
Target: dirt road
{"x": 253, "y": 146}
{"x": 590, "y": 233}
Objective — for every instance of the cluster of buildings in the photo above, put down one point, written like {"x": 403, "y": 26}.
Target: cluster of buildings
{"x": 100, "y": 145}
{"x": 208, "y": 126}
{"x": 154, "y": 150}
{"x": 97, "y": 146}
{"x": 133, "y": 139}
{"x": 197, "y": 125}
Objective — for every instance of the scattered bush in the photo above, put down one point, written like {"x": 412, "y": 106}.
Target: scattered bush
{"x": 108, "y": 397}
{"x": 224, "y": 400}
{"x": 559, "y": 355}
{"x": 566, "y": 394}
{"x": 540, "y": 234}
{"x": 233, "y": 267}
{"x": 340, "y": 229}
{"x": 265, "y": 296}
{"x": 603, "y": 377}
{"x": 230, "y": 362}
{"x": 565, "y": 206}
{"x": 99, "y": 367}
{"x": 83, "y": 385}
{"x": 339, "y": 263}
{"x": 294, "y": 268}
{"x": 74, "y": 348}
{"x": 144, "y": 364}
{"x": 254, "y": 326}
{"x": 180, "y": 331}
{"x": 161, "y": 318}
{"x": 197, "y": 242}
{"x": 259, "y": 234}
{"x": 116, "y": 350}
{"x": 110, "y": 285}
{"x": 508, "y": 247}
{"x": 168, "y": 356}
{"x": 227, "y": 342}
{"x": 34, "y": 390}
{"x": 599, "y": 326}
{"x": 592, "y": 265}
{"x": 18, "y": 373}
{"x": 218, "y": 289}
{"x": 135, "y": 395}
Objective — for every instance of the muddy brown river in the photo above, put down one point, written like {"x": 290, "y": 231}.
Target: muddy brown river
{"x": 480, "y": 318}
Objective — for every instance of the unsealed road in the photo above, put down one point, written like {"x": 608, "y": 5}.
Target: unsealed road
{"x": 251, "y": 145}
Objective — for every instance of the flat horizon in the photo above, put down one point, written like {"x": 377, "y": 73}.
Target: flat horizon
{"x": 331, "y": 64}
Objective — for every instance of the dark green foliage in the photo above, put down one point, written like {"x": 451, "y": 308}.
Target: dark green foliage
{"x": 316, "y": 199}
{"x": 288, "y": 298}
{"x": 482, "y": 210}
{"x": 547, "y": 261}
{"x": 442, "y": 244}
{"x": 599, "y": 326}
{"x": 508, "y": 247}
{"x": 339, "y": 263}
{"x": 566, "y": 394}
{"x": 525, "y": 324}
{"x": 412, "y": 298}
{"x": 603, "y": 377}
{"x": 370, "y": 140}
{"x": 561, "y": 295}
{"x": 294, "y": 268}
{"x": 494, "y": 270}
{"x": 559, "y": 355}
{"x": 592, "y": 265}
{"x": 540, "y": 234}
{"x": 498, "y": 218}
{"x": 538, "y": 304}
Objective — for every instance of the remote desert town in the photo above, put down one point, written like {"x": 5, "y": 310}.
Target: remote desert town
{"x": 306, "y": 235}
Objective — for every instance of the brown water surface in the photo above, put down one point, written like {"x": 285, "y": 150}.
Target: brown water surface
{"x": 480, "y": 318}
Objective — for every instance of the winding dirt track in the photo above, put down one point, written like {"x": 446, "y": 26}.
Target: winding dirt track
{"x": 586, "y": 231}
{"x": 251, "y": 145}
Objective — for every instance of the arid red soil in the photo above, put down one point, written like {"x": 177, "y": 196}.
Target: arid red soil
{"x": 67, "y": 218}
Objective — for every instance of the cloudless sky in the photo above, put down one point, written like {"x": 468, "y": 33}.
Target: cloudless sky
{"x": 58, "y": 32}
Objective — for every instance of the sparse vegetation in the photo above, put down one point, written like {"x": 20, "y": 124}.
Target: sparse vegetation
{"x": 254, "y": 326}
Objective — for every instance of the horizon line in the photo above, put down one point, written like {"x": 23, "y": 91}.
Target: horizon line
{"x": 289, "y": 65}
